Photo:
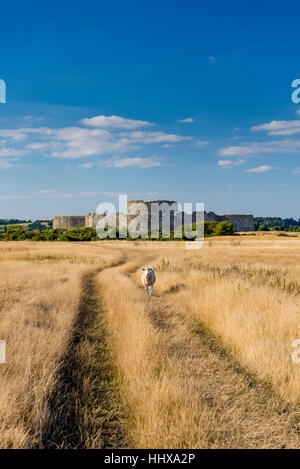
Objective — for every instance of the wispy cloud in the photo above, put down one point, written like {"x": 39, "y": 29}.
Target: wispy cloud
{"x": 15, "y": 197}
{"x": 212, "y": 59}
{"x": 36, "y": 146}
{"x": 236, "y": 137}
{"x": 46, "y": 191}
{"x": 201, "y": 143}
{"x": 260, "y": 169}
{"x": 5, "y": 164}
{"x": 16, "y": 135}
{"x": 145, "y": 137}
{"x": 114, "y": 122}
{"x": 74, "y": 195}
{"x": 254, "y": 148}
{"x": 230, "y": 163}
{"x": 7, "y": 152}
{"x": 149, "y": 162}
{"x": 187, "y": 120}
{"x": 85, "y": 165}
{"x": 78, "y": 142}
{"x": 279, "y": 127}
{"x": 33, "y": 118}
{"x": 279, "y": 185}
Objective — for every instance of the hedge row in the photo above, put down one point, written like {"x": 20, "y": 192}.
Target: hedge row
{"x": 19, "y": 233}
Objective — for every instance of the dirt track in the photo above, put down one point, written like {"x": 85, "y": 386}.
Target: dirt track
{"x": 84, "y": 405}
{"x": 248, "y": 415}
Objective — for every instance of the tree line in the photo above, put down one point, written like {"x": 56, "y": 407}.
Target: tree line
{"x": 22, "y": 233}
{"x": 276, "y": 224}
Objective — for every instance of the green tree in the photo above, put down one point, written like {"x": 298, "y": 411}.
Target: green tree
{"x": 224, "y": 228}
{"x": 15, "y": 232}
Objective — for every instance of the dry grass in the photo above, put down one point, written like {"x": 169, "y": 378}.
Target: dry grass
{"x": 205, "y": 363}
{"x": 183, "y": 391}
{"x": 39, "y": 302}
{"x": 250, "y": 299}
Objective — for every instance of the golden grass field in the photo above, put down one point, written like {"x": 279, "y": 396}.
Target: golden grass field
{"x": 204, "y": 363}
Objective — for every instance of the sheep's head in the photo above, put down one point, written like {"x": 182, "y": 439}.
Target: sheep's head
{"x": 147, "y": 272}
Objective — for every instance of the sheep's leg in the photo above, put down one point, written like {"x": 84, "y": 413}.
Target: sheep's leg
{"x": 151, "y": 290}
{"x": 146, "y": 290}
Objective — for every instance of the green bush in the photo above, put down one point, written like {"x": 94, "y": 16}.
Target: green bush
{"x": 77, "y": 234}
{"x": 14, "y": 233}
{"x": 19, "y": 233}
{"x": 210, "y": 227}
{"x": 263, "y": 228}
{"x": 224, "y": 228}
{"x": 213, "y": 228}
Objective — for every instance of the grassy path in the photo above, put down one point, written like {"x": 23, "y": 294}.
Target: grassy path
{"x": 85, "y": 410}
{"x": 240, "y": 411}
{"x": 183, "y": 388}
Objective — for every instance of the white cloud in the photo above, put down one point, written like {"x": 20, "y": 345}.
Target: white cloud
{"x": 73, "y": 195}
{"x": 260, "y": 169}
{"x": 146, "y": 137}
{"x": 187, "y": 120}
{"x": 14, "y": 197}
{"x": 17, "y": 135}
{"x": 78, "y": 142}
{"x": 93, "y": 193}
{"x": 32, "y": 118}
{"x": 296, "y": 170}
{"x": 201, "y": 143}
{"x": 37, "y": 146}
{"x": 254, "y": 148}
{"x": 155, "y": 194}
{"x": 212, "y": 59}
{"x": 85, "y": 165}
{"x": 279, "y": 127}
{"x": 224, "y": 163}
{"x": 5, "y": 164}
{"x": 229, "y": 163}
{"x": 140, "y": 162}
{"x": 114, "y": 122}
{"x": 7, "y": 152}
{"x": 47, "y": 191}
{"x": 75, "y": 142}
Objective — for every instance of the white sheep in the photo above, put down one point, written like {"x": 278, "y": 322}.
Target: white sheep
{"x": 148, "y": 280}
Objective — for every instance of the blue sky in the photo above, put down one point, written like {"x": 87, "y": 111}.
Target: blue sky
{"x": 188, "y": 100}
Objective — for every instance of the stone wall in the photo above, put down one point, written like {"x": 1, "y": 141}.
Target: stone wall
{"x": 212, "y": 216}
{"x": 92, "y": 218}
{"x": 240, "y": 222}
{"x": 69, "y": 222}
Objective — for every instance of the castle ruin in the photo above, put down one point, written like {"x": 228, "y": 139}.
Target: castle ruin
{"x": 69, "y": 222}
{"x": 240, "y": 222}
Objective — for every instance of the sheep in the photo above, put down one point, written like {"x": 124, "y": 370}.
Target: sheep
{"x": 148, "y": 280}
